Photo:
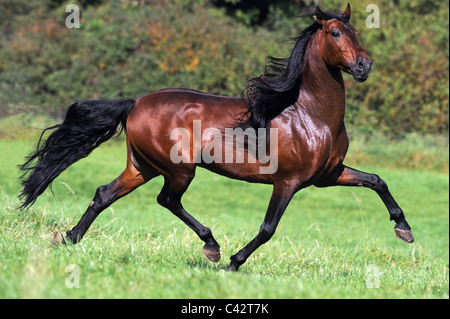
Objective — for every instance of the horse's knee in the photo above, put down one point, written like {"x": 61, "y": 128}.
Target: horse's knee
{"x": 377, "y": 183}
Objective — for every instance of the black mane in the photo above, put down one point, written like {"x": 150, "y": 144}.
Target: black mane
{"x": 278, "y": 88}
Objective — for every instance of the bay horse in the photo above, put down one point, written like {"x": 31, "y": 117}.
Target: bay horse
{"x": 300, "y": 98}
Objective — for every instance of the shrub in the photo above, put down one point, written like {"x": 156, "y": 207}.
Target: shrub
{"x": 130, "y": 48}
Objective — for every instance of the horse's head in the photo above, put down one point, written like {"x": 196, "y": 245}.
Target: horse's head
{"x": 339, "y": 46}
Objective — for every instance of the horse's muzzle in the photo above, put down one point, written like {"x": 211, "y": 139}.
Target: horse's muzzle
{"x": 362, "y": 68}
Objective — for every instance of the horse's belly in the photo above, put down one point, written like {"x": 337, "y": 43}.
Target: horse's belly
{"x": 241, "y": 171}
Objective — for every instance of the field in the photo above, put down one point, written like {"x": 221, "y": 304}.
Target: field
{"x": 331, "y": 243}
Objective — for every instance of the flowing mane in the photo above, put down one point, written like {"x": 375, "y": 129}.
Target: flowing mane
{"x": 278, "y": 88}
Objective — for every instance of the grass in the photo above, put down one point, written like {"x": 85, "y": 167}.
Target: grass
{"x": 328, "y": 245}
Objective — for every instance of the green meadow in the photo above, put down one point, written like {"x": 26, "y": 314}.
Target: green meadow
{"x": 331, "y": 243}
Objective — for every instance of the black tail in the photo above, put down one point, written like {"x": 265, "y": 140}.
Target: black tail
{"x": 87, "y": 125}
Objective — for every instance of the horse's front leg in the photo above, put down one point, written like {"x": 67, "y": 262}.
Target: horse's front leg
{"x": 346, "y": 176}
{"x": 281, "y": 196}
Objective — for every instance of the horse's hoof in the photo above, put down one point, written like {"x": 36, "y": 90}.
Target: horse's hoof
{"x": 212, "y": 255}
{"x": 58, "y": 239}
{"x": 404, "y": 234}
{"x": 231, "y": 268}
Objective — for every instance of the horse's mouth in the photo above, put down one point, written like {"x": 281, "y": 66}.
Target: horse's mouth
{"x": 361, "y": 71}
{"x": 360, "y": 78}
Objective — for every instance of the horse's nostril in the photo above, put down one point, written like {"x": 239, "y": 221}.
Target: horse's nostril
{"x": 361, "y": 66}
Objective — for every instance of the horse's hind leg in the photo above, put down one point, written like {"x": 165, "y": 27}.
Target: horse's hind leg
{"x": 170, "y": 198}
{"x": 105, "y": 195}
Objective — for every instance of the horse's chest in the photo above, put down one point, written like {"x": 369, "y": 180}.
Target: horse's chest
{"x": 315, "y": 149}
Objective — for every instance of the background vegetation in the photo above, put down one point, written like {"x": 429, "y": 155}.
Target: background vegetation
{"x": 129, "y": 48}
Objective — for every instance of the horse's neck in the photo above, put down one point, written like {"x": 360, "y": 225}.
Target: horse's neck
{"x": 322, "y": 91}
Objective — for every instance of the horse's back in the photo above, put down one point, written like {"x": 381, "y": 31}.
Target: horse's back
{"x": 156, "y": 116}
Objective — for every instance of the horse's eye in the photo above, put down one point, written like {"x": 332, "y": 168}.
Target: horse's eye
{"x": 336, "y": 34}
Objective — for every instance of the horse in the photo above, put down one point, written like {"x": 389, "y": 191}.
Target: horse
{"x": 297, "y": 106}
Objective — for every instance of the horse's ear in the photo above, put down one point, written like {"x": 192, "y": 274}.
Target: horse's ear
{"x": 347, "y": 13}
{"x": 320, "y": 16}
